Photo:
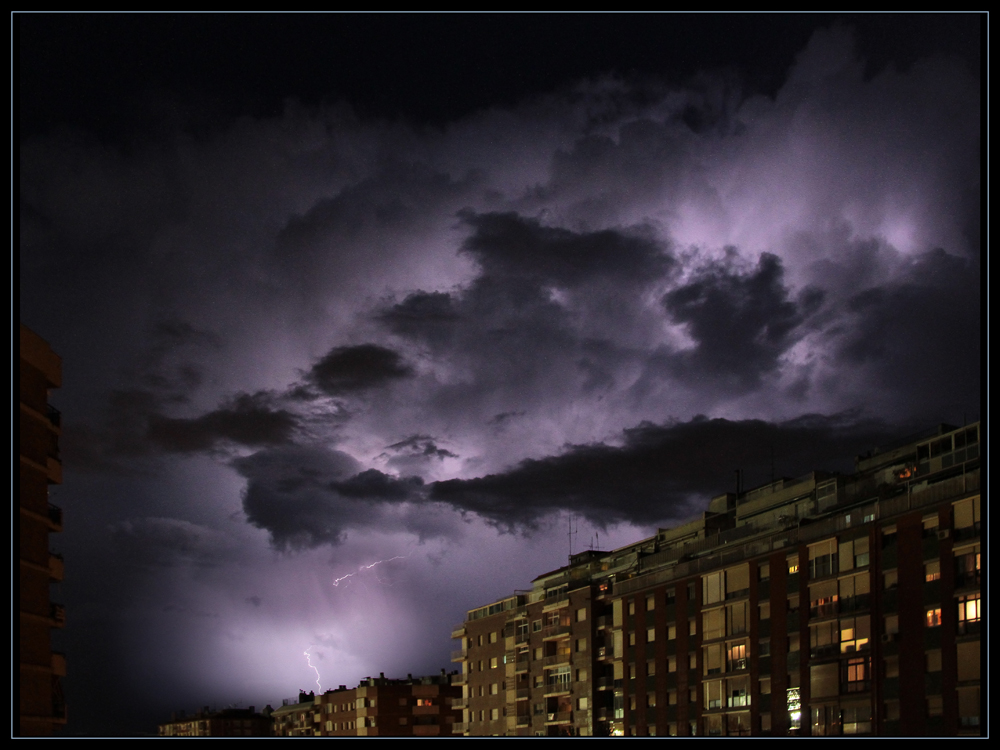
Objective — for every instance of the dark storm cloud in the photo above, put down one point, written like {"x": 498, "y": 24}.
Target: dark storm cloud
{"x": 741, "y": 321}
{"x": 511, "y": 245}
{"x": 422, "y": 314}
{"x": 308, "y": 497}
{"x": 658, "y": 470}
{"x": 352, "y": 369}
{"x": 918, "y": 336}
{"x": 247, "y": 420}
{"x": 422, "y": 445}
{"x": 288, "y": 494}
{"x": 375, "y": 485}
{"x": 169, "y": 542}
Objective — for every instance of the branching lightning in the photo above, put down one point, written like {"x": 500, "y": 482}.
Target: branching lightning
{"x": 313, "y": 668}
{"x": 368, "y": 567}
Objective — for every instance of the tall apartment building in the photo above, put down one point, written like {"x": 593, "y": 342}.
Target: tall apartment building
{"x": 377, "y": 707}
{"x": 802, "y": 607}
{"x": 42, "y": 708}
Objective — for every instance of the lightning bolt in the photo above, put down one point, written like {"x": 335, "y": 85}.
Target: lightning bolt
{"x": 309, "y": 662}
{"x": 368, "y": 567}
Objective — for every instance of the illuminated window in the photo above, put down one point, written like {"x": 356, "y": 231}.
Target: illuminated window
{"x": 857, "y": 675}
{"x": 671, "y": 631}
{"x": 968, "y": 614}
{"x": 650, "y": 635}
{"x": 932, "y": 617}
{"x": 855, "y": 634}
{"x": 793, "y": 564}
{"x": 932, "y": 571}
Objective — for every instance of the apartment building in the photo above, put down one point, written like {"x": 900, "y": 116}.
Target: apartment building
{"x": 42, "y": 708}
{"x": 377, "y": 707}
{"x": 229, "y": 722}
{"x": 798, "y": 608}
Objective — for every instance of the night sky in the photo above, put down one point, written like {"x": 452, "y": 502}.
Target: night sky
{"x": 431, "y": 290}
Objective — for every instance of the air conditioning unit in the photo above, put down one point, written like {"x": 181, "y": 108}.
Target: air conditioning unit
{"x": 888, "y": 637}
{"x": 943, "y": 533}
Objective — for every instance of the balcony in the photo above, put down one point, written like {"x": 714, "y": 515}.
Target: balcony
{"x": 460, "y": 655}
{"x": 58, "y": 663}
{"x": 56, "y": 567}
{"x": 559, "y": 717}
{"x": 55, "y": 516}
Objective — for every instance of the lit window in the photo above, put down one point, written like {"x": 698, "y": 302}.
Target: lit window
{"x": 932, "y": 571}
{"x": 968, "y": 613}
{"x": 932, "y": 617}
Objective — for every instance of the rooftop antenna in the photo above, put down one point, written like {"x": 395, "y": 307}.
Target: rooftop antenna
{"x": 570, "y": 533}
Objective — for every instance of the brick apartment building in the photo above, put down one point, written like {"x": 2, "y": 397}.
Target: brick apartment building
{"x": 229, "y": 722}
{"x": 821, "y": 605}
{"x": 377, "y": 707}
{"x": 42, "y": 708}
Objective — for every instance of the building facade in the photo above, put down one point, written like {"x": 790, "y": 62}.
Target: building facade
{"x": 798, "y": 608}
{"x": 377, "y": 707}
{"x": 42, "y": 708}
{"x": 229, "y": 722}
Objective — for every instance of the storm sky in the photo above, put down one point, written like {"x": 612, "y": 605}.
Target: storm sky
{"x": 432, "y": 291}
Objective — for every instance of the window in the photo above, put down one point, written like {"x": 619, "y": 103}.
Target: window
{"x": 764, "y": 571}
{"x": 671, "y": 663}
{"x": 890, "y": 579}
{"x": 713, "y": 624}
{"x": 967, "y": 568}
{"x": 968, "y": 614}
{"x": 650, "y": 603}
{"x": 932, "y": 617}
{"x": 793, "y": 564}
{"x": 493, "y": 637}
{"x": 853, "y": 554}
{"x": 536, "y": 626}
{"x": 857, "y": 719}
{"x": 934, "y": 660}
{"x": 581, "y": 645}
{"x": 581, "y": 615}
{"x": 650, "y": 668}
{"x": 494, "y": 663}
{"x": 736, "y": 656}
{"x": 891, "y": 625}
{"x": 712, "y": 588}
{"x": 857, "y": 675}
{"x": 631, "y": 606}
{"x": 855, "y": 634}
{"x": 737, "y": 620}
{"x": 631, "y": 638}
{"x": 670, "y": 596}
{"x": 822, "y": 558}
{"x": 935, "y": 705}
{"x": 932, "y": 571}
{"x": 494, "y": 690}
{"x": 671, "y": 631}
{"x": 650, "y": 635}
{"x": 764, "y": 611}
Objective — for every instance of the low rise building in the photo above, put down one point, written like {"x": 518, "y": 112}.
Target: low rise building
{"x": 229, "y": 722}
